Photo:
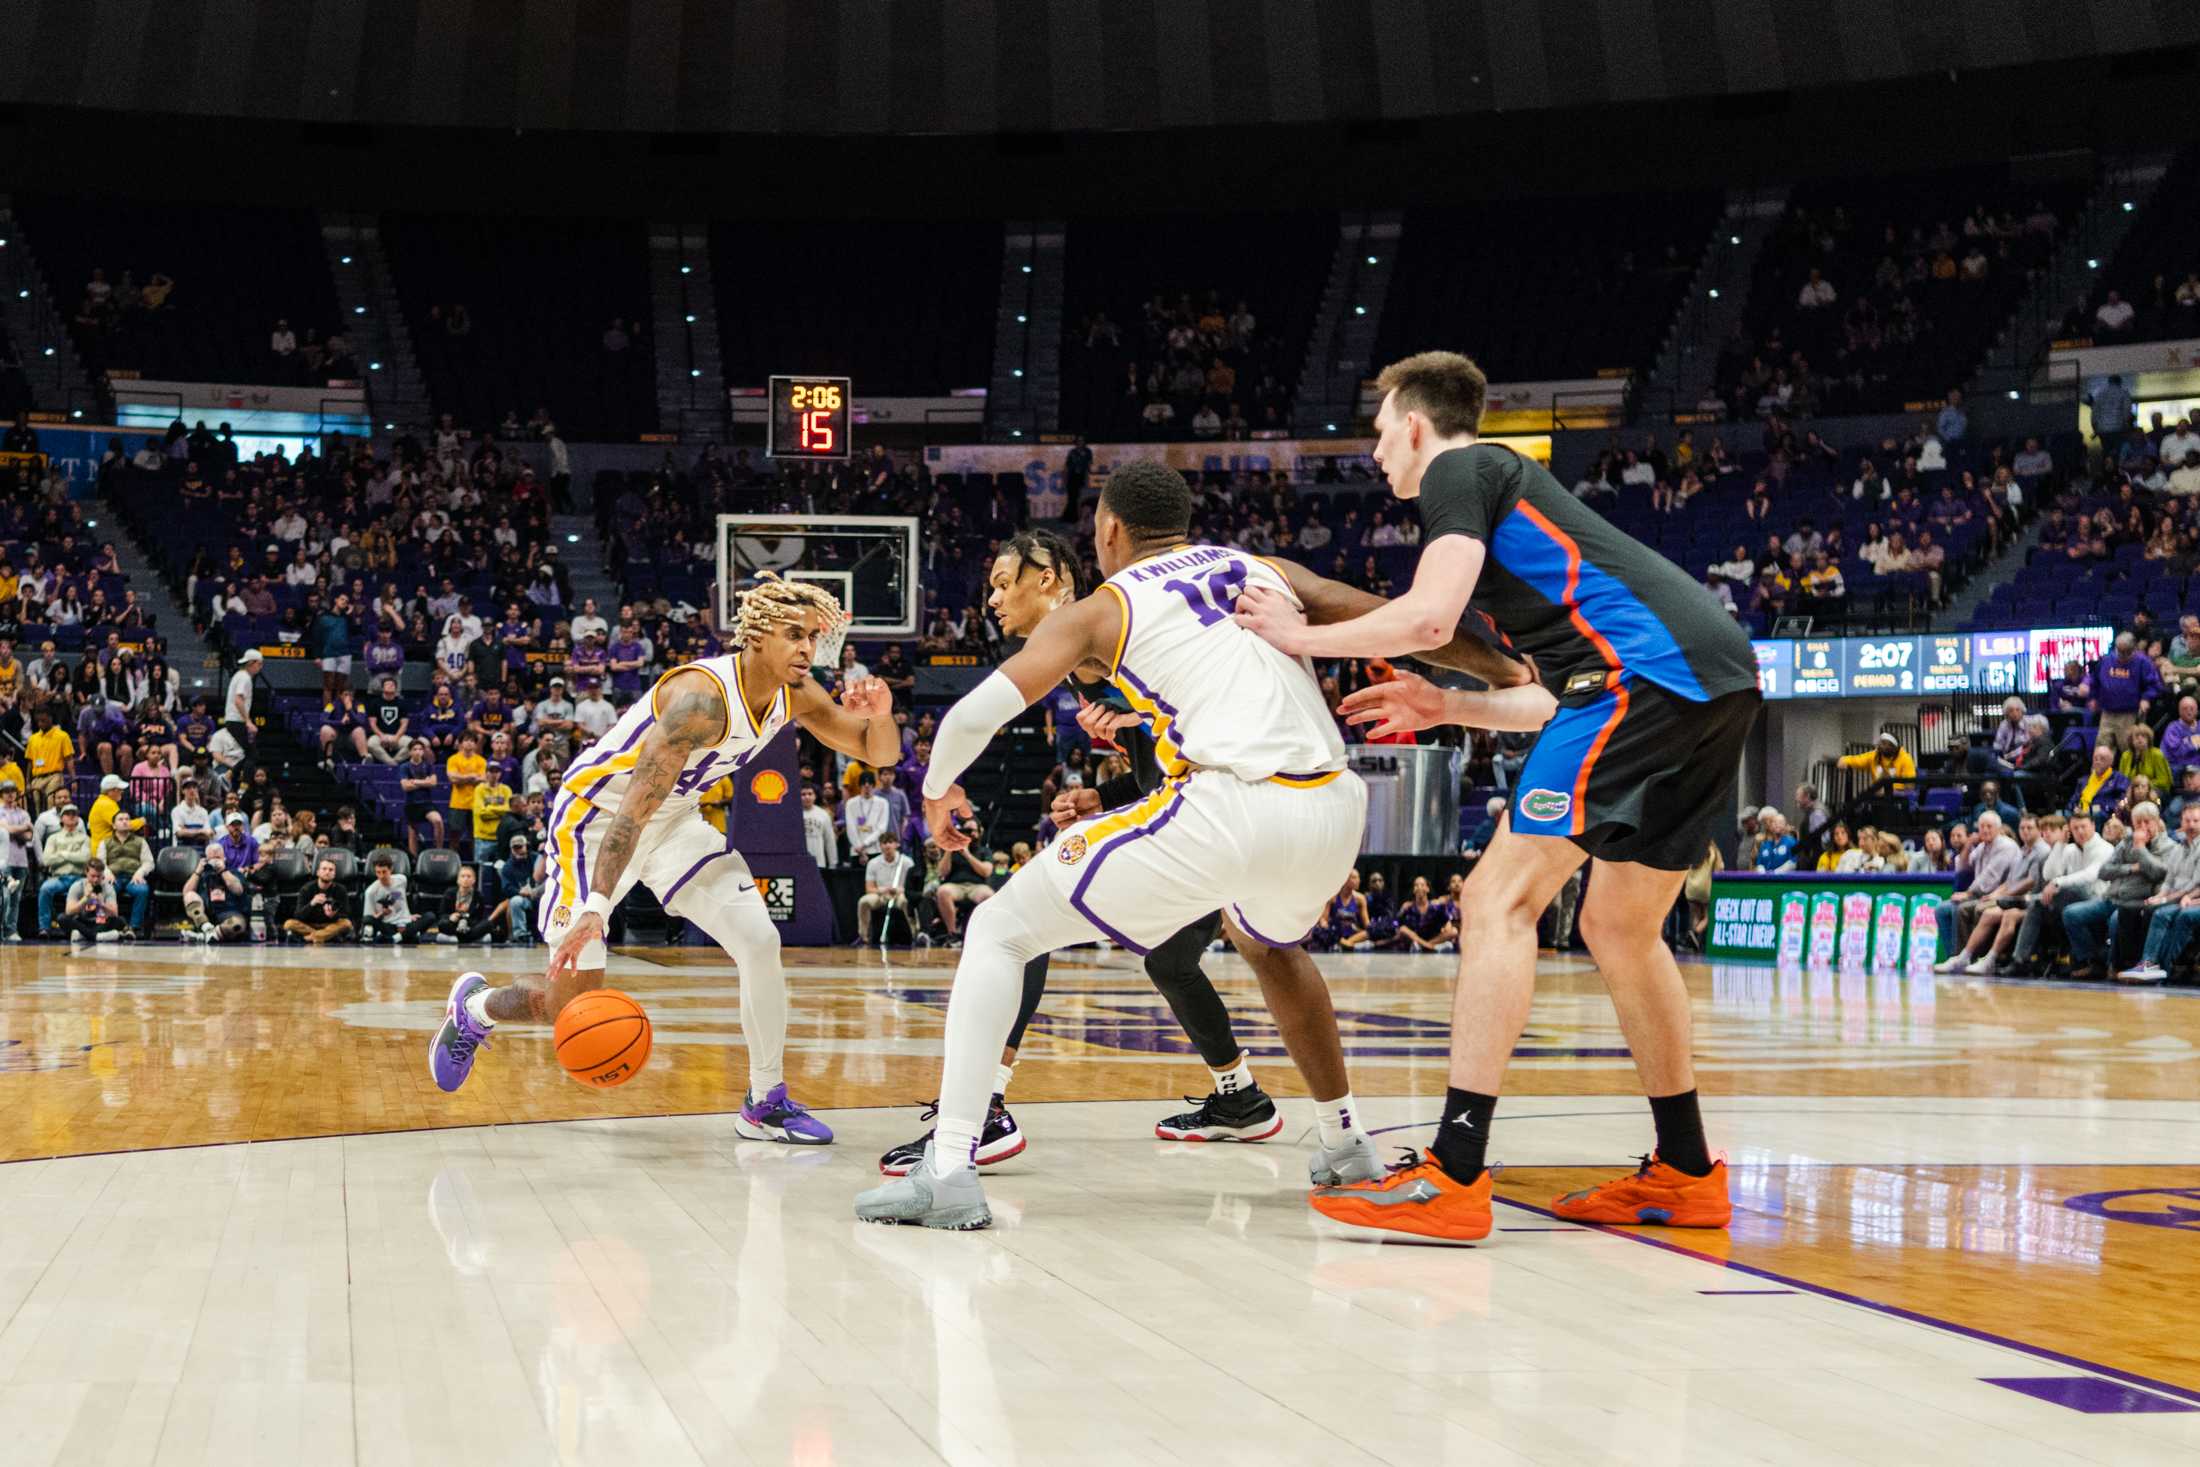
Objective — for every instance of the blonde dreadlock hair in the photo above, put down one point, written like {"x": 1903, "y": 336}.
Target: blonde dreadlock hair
{"x": 772, "y": 603}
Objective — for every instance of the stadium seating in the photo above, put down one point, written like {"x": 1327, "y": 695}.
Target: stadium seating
{"x": 2161, "y": 252}
{"x": 909, "y": 311}
{"x": 1544, "y": 289}
{"x": 1893, "y": 333}
{"x": 237, "y": 271}
{"x": 1275, "y": 263}
{"x": 537, "y": 296}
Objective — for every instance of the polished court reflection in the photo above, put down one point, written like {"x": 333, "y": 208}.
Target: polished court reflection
{"x": 1967, "y": 1228}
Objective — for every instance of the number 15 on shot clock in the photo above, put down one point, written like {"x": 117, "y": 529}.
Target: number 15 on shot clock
{"x": 810, "y": 418}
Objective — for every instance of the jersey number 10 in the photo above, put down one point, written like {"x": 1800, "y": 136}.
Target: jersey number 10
{"x": 1217, "y": 599}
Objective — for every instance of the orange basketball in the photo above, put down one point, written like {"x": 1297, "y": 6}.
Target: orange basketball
{"x": 603, "y": 1038}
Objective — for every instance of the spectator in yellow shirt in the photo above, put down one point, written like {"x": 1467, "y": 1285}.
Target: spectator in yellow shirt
{"x": 11, "y": 670}
{"x": 11, "y": 777}
{"x": 1887, "y": 759}
{"x": 101, "y": 822}
{"x": 53, "y": 760}
{"x": 467, "y": 772}
{"x": 492, "y": 802}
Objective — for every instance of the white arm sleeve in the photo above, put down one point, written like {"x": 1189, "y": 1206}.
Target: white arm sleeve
{"x": 968, "y": 727}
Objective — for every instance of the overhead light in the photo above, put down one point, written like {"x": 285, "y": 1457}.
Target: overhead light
{"x": 1027, "y": 269}
{"x": 1020, "y": 320}
{"x": 358, "y": 310}
{"x": 1015, "y": 432}
{"x": 344, "y": 260}
{"x": 2013, "y": 394}
{"x": 23, "y": 295}
{"x": 49, "y": 351}
{"x": 374, "y": 366}
{"x": 1331, "y": 427}
{"x": 76, "y": 412}
{"x": 1371, "y": 259}
{"x": 389, "y": 427}
{"x": 572, "y": 539}
{"x": 2128, "y": 207}
{"x": 695, "y": 371}
{"x": 691, "y": 318}
{"x": 1016, "y": 372}
{"x": 2093, "y": 264}
{"x": 1359, "y": 310}
{"x": 91, "y": 524}
{"x": 1733, "y": 239}
{"x": 1714, "y": 292}
{"x": 686, "y": 269}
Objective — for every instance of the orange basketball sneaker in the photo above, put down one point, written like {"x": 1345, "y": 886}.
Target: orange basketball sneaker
{"x": 1656, "y": 1194}
{"x": 1417, "y": 1198}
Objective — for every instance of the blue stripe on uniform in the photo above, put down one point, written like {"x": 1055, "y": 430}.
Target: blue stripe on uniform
{"x": 1643, "y": 643}
{"x": 1554, "y": 765}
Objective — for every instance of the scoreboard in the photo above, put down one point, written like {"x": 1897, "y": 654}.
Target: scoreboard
{"x": 1942, "y": 662}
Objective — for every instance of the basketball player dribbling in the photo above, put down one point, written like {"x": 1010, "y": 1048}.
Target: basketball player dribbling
{"x": 1648, "y": 689}
{"x": 1035, "y": 574}
{"x": 630, "y": 810}
{"x": 1258, "y": 816}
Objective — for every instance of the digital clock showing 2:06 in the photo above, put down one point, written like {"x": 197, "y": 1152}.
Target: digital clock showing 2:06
{"x": 810, "y": 417}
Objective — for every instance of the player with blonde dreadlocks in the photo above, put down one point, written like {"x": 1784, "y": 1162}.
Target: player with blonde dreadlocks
{"x": 629, "y": 810}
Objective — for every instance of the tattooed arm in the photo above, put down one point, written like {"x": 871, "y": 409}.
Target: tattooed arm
{"x": 691, "y": 714}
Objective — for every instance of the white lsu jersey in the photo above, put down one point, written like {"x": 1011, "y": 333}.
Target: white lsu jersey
{"x": 600, "y": 776}
{"x": 1218, "y": 696}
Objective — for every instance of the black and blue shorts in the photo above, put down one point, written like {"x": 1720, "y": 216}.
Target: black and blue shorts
{"x": 1636, "y": 773}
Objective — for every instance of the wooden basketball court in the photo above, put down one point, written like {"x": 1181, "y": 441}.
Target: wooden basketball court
{"x": 241, "y": 1223}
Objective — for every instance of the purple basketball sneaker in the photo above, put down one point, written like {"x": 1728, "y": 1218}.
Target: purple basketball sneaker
{"x": 451, "y": 1055}
{"x": 773, "y": 1117}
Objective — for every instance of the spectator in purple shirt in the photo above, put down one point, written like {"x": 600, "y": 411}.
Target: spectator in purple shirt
{"x": 102, "y": 732}
{"x": 2125, "y": 683}
{"x": 2181, "y": 737}
{"x": 237, "y": 843}
{"x": 384, "y": 655}
{"x": 627, "y": 655}
{"x": 2072, "y": 691}
{"x": 516, "y": 634}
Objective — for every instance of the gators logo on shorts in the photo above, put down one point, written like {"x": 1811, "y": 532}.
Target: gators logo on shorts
{"x": 1072, "y": 851}
{"x": 1545, "y": 805}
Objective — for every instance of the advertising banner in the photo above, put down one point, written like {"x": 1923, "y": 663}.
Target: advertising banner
{"x": 1796, "y": 917}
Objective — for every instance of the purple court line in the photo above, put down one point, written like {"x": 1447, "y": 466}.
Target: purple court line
{"x": 1894, "y": 1311}
{"x": 1543, "y": 1230}
{"x": 1734, "y": 1291}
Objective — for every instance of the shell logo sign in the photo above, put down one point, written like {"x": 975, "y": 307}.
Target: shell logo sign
{"x": 769, "y": 787}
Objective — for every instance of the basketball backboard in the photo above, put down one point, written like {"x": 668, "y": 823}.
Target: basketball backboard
{"x": 869, "y": 562}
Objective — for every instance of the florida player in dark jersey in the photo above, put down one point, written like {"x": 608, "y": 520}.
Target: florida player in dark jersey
{"x": 1647, "y": 692}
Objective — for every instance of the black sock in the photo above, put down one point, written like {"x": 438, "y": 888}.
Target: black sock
{"x": 1463, "y": 1135}
{"x": 1680, "y": 1133}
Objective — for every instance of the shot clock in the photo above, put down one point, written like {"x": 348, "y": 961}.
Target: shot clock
{"x": 810, "y": 418}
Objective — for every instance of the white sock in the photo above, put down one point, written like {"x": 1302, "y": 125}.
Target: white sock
{"x": 1337, "y": 1120}
{"x": 1002, "y": 1074}
{"x": 1238, "y": 1077}
{"x": 761, "y": 1080}
{"x": 954, "y": 1144}
{"x": 477, "y": 1007}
